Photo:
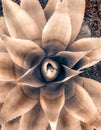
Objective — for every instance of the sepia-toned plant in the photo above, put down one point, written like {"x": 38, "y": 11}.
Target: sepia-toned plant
{"x": 40, "y": 64}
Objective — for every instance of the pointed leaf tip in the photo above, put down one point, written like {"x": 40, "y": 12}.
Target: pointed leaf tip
{"x": 32, "y": 78}
{"x": 37, "y": 122}
{"x": 18, "y": 105}
{"x": 59, "y": 23}
{"x": 19, "y": 22}
{"x": 24, "y": 53}
{"x": 34, "y": 9}
{"x": 8, "y": 70}
{"x": 76, "y": 10}
{"x": 67, "y": 74}
{"x": 86, "y": 110}
{"x": 90, "y": 59}
{"x": 85, "y": 44}
{"x": 69, "y": 58}
{"x": 93, "y": 88}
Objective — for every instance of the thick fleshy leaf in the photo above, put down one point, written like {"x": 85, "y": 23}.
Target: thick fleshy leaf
{"x": 93, "y": 88}
{"x": 5, "y": 88}
{"x": 67, "y": 122}
{"x": 58, "y": 24}
{"x": 76, "y": 10}
{"x": 8, "y": 70}
{"x": 32, "y": 78}
{"x": 85, "y": 44}
{"x": 12, "y": 125}
{"x": 50, "y": 8}
{"x": 35, "y": 119}
{"x": 52, "y": 102}
{"x": 89, "y": 59}
{"x": 24, "y": 53}
{"x": 19, "y": 101}
{"x": 19, "y": 22}
{"x": 66, "y": 74}
{"x": 3, "y": 28}
{"x": 80, "y": 105}
{"x": 2, "y": 47}
{"x": 69, "y": 58}
{"x": 35, "y": 10}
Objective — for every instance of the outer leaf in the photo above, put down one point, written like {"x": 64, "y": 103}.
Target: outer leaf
{"x": 35, "y": 119}
{"x": 67, "y": 122}
{"x": 21, "y": 103}
{"x": 80, "y": 105}
{"x": 24, "y": 53}
{"x": 5, "y": 88}
{"x": 85, "y": 44}
{"x": 76, "y": 10}
{"x": 52, "y": 30}
{"x": 19, "y": 23}
{"x": 32, "y": 78}
{"x": 69, "y": 58}
{"x": 35, "y": 10}
{"x": 93, "y": 88}
{"x": 8, "y": 70}
{"x": 89, "y": 59}
{"x": 52, "y": 102}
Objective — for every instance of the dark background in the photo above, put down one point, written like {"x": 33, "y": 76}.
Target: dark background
{"x": 93, "y": 20}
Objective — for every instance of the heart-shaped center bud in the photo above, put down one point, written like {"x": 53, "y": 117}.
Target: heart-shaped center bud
{"x": 50, "y": 70}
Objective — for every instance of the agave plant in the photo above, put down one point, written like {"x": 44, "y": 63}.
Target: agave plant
{"x": 40, "y": 63}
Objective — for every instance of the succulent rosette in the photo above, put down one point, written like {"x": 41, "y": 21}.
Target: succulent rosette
{"x": 40, "y": 62}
